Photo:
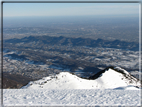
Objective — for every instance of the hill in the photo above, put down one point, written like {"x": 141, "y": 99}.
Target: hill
{"x": 107, "y": 79}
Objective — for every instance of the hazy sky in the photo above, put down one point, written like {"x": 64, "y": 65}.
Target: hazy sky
{"x": 69, "y": 9}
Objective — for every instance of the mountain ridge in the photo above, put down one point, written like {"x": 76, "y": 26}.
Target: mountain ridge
{"x": 77, "y": 42}
{"x": 108, "y": 79}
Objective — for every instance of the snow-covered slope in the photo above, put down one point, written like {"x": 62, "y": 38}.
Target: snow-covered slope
{"x": 71, "y": 97}
{"x": 108, "y": 79}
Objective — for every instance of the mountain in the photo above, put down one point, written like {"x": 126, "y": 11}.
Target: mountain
{"x": 109, "y": 78}
{"x": 76, "y": 42}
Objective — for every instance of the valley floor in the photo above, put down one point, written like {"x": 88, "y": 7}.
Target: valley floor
{"x": 74, "y": 97}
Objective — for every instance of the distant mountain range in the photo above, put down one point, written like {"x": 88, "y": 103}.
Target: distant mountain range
{"x": 109, "y": 78}
{"x": 77, "y": 42}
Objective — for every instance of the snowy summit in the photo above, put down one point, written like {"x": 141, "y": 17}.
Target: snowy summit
{"x": 110, "y": 78}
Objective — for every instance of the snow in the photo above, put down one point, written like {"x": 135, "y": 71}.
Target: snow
{"x": 118, "y": 68}
{"x": 74, "y": 97}
{"x": 65, "y": 80}
{"x": 137, "y": 74}
{"x": 127, "y": 64}
{"x": 59, "y": 68}
{"x": 65, "y": 89}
